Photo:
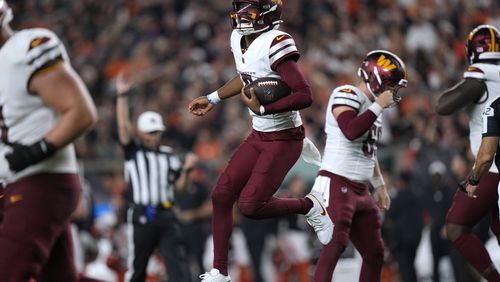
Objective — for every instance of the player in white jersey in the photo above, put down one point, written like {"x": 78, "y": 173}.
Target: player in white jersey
{"x": 44, "y": 106}
{"x": 259, "y": 165}
{"x": 480, "y": 86}
{"x": 353, "y": 126}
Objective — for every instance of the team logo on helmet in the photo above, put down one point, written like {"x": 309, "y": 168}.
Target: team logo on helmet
{"x": 482, "y": 39}
{"x": 253, "y": 16}
{"x": 382, "y": 70}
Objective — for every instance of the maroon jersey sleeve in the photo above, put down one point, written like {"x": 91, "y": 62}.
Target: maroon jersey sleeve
{"x": 354, "y": 126}
{"x": 283, "y": 47}
{"x": 301, "y": 96}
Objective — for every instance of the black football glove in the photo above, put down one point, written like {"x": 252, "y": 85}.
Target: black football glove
{"x": 23, "y": 156}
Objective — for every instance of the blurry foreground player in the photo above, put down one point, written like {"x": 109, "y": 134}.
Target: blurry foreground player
{"x": 480, "y": 86}
{"x": 353, "y": 126}
{"x": 44, "y": 106}
{"x": 257, "y": 168}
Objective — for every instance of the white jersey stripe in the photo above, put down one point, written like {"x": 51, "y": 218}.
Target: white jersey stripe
{"x": 348, "y": 102}
{"x": 39, "y": 50}
{"x": 163, "y": 167}
{"x": 276, "y": 57}
{"x": 45, "y": 52}
{"x": 476, "y": 75}
{"x": 280, "y": 45}
{"x": 46, "y": 58}
{"x": 280, "y": 49}
{"x": 153, "y": 178}
{"x": 141, "y": 166}
{"x": 352, "y": 96}
{"x": 131, "y": 172}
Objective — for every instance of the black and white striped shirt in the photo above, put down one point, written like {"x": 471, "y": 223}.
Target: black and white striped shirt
{"x": 151, "y": 175}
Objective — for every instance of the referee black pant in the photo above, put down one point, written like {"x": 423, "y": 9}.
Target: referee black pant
{"x": 151, "y": 230}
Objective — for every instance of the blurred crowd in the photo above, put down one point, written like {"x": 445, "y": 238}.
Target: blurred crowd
{"x": 176, "y": 50}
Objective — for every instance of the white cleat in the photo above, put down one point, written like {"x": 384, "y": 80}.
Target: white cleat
{"x": 318, "y": 218}
{"x": 214, "y": 275}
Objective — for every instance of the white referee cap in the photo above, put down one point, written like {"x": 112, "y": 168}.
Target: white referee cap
{"x": 150, "y": 122}
{"x": 437, "y": 167}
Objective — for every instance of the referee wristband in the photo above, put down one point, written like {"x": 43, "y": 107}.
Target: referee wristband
{"x": 377, "y": 182}
{"x": 213, "y": 98}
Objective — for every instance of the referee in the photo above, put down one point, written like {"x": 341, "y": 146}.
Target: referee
{"x": 152, "y": 172}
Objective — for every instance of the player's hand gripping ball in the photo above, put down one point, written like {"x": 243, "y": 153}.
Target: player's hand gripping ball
{"x": 268, "y": 89}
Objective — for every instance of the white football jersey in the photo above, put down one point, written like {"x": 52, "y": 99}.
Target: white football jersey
{"x": 260, "y": 60}
{"x": 354, "y": 160}
{"x": 23, "y": 116}
{"x": 490, "y": 73}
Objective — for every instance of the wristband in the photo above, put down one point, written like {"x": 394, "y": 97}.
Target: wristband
{"x": 473, "y": 181}
{"x": 377, "y": 181}
{"x": 376, "y": 108}
{"x": 213, "y": 98}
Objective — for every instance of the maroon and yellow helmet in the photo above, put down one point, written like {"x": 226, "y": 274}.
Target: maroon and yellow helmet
{"x": 253, "y": 16}
{"x": 382, "y": 70}
{"x": 482, "y": 39}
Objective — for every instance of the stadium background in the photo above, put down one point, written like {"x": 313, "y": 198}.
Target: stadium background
{"x": 179, "y": 50}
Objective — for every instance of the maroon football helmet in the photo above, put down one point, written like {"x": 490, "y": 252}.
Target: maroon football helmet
{"x": 484, "y": 38}
{"x": 382, "y": 70}
{"x": 5, "y": 13}
{"x": 252, "y": 16}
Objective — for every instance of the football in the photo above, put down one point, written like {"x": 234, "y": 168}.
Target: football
{"x": 268, "y": 89}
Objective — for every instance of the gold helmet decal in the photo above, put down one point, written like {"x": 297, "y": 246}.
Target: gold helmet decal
{"x": 385, "y": 63}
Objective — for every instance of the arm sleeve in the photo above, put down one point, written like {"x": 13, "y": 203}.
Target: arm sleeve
{"x": 301, "y": 96}
{"x": 491, "y": 116}
{"x": 354, "y": 126}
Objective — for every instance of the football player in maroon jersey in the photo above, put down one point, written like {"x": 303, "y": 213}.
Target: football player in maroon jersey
{"x": 259, "y": 165}
{"x": 353, "y": 126}
{"x": 480, "y": 86}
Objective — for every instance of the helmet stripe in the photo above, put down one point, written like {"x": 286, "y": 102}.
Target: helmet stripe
{"x": 492, "y": 45}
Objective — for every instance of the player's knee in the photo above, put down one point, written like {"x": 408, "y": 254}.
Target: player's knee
{"x": 454, "y": 231}
{"x": 340, "y": 236}
{"x": 223, "y": 192}
{"x": 249, "y": 209}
